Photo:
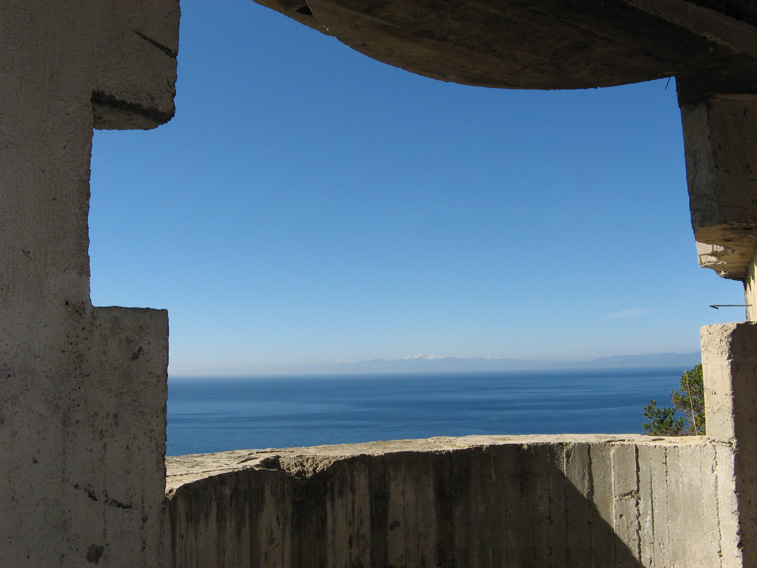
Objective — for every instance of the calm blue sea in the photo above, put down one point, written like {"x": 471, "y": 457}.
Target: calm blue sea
{"x": 217, "y": 414}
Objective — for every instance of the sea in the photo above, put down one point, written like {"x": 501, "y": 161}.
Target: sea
{"x": 214, "y": 414}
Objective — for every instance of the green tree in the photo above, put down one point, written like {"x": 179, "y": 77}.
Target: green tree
{"x": 686, "y": 418}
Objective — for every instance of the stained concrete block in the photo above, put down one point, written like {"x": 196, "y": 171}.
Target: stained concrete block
{"x": 721, "y": 152}
{"x": 693, "y": 510}
{"x": 539, "y": 457}
{"x": 558, "y": 525}
{"x": 397, "y": 522}
{"x": 646, "y": 506}
{"x": 602, "y": 536}
{"x": 497, "y": 522}
{"x": 578, "y": 507}
{"x": 662, "y": 486}
{"x": 676, "y": 509}
{"x": 626, "y": 503}
{"x": 124, "y": 428}
{"x": 136, "y": 88}
{"x": 82, "y": 398}
{"x": 731, "y": 552}
{"x": 729, "y": 358}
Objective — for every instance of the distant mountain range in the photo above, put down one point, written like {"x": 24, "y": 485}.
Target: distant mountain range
{"x": 433, "y": 364}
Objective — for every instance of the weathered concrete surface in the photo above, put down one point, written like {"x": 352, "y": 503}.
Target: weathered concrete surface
{"x": 729, "y": 358}
{"x": 548, "y": 44}
{"x": 721, "y": 161}
{"x": 750, "y": 288}
{"x": 82, "y": 389}
{"x": 475, "y": 501}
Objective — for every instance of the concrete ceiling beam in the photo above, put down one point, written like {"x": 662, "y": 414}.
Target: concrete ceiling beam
{"x": 545, "y": 44}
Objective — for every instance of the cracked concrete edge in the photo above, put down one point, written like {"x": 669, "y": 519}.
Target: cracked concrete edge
{"x": 298, "y": 461}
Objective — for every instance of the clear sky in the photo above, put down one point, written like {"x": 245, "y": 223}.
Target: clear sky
{"x": 309, "y": 204}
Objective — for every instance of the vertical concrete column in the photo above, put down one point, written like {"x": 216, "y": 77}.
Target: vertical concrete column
{"x": 729, "y": 357}
{"x": 82, "y": 389}
{"x": 750, "y": 289}
{"x": 721, "y": 169}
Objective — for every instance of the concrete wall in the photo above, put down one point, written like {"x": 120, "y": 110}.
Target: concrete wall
{"x": 476, "y": 501}
{"x": 729, "y": 357}
{"x": 82, "y": 389}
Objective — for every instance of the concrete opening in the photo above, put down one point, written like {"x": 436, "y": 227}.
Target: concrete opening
{"x": 490, "y": 195}
{"x": 82, "y": 415}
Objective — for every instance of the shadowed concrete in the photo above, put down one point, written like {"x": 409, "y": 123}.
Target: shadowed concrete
{"x": 547, "y": 44}
{"x": 481, "y": 501}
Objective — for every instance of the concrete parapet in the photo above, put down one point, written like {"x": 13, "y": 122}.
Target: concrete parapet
{"x": 476, "y": 501}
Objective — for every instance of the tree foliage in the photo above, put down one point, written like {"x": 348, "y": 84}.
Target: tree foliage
{"x": 686, "y": 417}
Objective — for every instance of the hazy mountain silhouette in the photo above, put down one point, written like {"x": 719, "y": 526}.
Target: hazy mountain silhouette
{"x": 432, "y": 364}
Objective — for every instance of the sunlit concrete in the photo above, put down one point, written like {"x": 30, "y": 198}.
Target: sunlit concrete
{"x": 83, "y": 392}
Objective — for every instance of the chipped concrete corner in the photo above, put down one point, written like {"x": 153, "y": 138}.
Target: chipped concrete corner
{"x": 83, "y": 389}
{"x": 720, "y": 157}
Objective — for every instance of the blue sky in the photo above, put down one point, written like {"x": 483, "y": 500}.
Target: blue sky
{"x": 309, "y": 204}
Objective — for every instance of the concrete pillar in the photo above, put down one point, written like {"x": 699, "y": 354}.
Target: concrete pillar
{"x": 82, "y": 389}
{"x": 729, "y": 357}
{"x": 750, "y": 289}
{"x": 721, "y": 167}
